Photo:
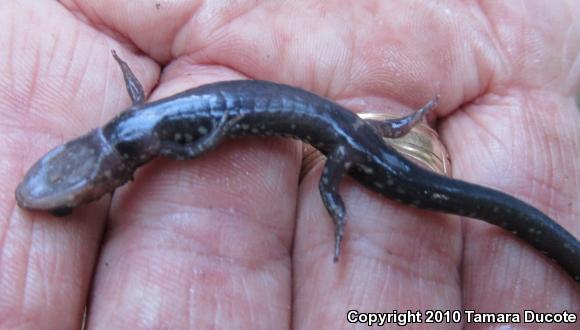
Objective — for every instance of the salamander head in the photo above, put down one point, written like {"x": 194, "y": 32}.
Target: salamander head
{"x": 77, "y": 172}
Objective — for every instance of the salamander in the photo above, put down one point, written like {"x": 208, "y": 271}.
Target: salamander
{"x": 187, "y": 124}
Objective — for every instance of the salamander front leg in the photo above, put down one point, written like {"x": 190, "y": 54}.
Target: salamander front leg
{"x": 395, "y": 128}
{"x": 134, "y": 87}
{"x": 335, "y": 168}
{"x": 201, "y": 145}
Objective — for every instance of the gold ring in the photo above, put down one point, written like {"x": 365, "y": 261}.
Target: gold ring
{"x": 421, "y": 146}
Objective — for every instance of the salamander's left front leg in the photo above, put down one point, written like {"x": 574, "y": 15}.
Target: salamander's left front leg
{"x": 205, "y": 143}
{"x": 334, "y": 170}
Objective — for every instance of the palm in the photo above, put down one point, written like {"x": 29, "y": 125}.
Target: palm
{"x": 230, "y": 238}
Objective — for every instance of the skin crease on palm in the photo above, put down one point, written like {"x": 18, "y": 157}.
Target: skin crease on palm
{"x": 233, "y": 238}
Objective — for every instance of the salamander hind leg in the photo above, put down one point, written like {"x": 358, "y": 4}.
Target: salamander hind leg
{"x": 395, "y": 128}
{"x": 205, "y": 143}
{"x": 337, "y": 165}
{"x": 134, "y": 87}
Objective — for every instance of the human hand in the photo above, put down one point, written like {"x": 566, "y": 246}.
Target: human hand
{"x": 231, "y": 238}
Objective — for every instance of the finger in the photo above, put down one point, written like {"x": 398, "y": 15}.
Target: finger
{"x": 46, "y": 262}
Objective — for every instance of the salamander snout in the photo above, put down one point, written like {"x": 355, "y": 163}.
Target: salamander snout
{"x": 77, "y": 172}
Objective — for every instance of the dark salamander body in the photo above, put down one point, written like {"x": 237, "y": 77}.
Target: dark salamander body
{"x": 187, "y": 124}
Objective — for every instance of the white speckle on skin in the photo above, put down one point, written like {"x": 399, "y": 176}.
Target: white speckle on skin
{"x": 439, "y": 196}
{"x": 366, "y": 169}
{"x": 108, "y": 174}
{"x": 495, "y": 209}
{"x": 177, "y": 137}
{"x": 202, "y": 130}
{"x": 324, "y": 180}
{"x": 378, "y": 185}
{"x": 254, "y": 130}
{"x": 245, "y": 127}
{"x": 188, "y": 137}
{"x": 515, "y": 232}
{"x": 292, "y": 126}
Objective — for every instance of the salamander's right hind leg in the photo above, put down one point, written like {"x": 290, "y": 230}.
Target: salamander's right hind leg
{"x": 134, "y": 87}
